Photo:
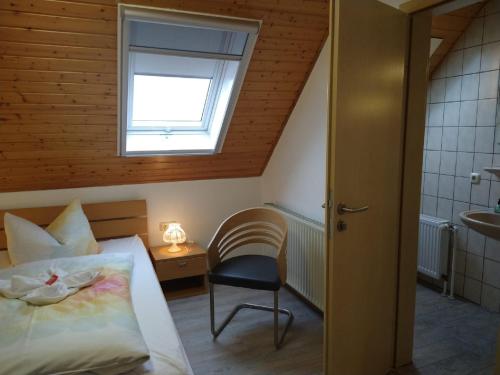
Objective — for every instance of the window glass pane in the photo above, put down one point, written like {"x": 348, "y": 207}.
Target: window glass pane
{"x": 187, "y": 38}
{"x": 171, "y": 99}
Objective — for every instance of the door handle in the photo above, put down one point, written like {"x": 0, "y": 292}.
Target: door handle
{"x": 343, "y": 209}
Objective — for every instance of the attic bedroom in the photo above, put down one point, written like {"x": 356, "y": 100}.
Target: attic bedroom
{"x": 236, "y": 187}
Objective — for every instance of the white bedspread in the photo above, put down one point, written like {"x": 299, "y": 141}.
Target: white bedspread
{"x": 153, "y": 315}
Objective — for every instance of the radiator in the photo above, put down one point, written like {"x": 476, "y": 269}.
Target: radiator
{"x": 433, "y": 246}
{"x": 305, "y": 256}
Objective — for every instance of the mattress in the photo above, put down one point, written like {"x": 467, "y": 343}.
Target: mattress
{"x": 155, "y": 321}
{"x": 157, "y": 326}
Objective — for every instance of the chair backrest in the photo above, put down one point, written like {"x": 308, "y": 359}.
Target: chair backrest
{"x": 251, "y": 226}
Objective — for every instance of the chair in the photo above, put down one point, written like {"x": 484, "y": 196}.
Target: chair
{"x": 251, "y": 226}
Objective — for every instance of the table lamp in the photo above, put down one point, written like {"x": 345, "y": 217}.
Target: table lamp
{"x": 174, "y": 234}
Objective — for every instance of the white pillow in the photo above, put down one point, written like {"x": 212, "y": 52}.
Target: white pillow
{"x": 68, "y": 235}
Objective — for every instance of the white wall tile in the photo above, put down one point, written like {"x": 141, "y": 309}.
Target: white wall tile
{"x": 481, "y": 161}
{"x": 472, "y": 60}
{"x": 488, "y": 84}
{"x": 494, "y": 193}
{"x": 453, "y": 89}
{"x": 448, "y": 162}
{"x": 485, "y": 138}
{"x": 470, "y": 87}
{"x": 454, "y": 63}
{"x": 451, "y": 114}
{"x": 474, "y": 33}
{"x": 496, "y": 161}
{"x": 480, "y": 193}
{"x": 446, "y": 186}
{"x": 465, "y": 162}
{"x": 468, "y": 113}
{"x": 429, "y": 205}
{"x": 436, "y": 114}
{"x": 462, "y": 135}
{"x": 431, "y": 184}
{"x": 459, "y": 284}
{"x": 440, "y": 71}
{"x": 434, "y": 137}
{"x": 438, "y": 90}
{"x": 478, "y": 207}
{"x": 449, "y": 141}
{"x": 496, "y": 148}
{"x": 463, "y": 233}
{"x": 492, "y": 249}
{"x": 492, "y": 273}
{"x": 474, "y": 266}
{"x": 460, "y": 261}
{"x": 445, "y": 208}
{"x": 472, "y": 290}
{"x": 498, "y": 111}
{"x": 490, "y": 59}
{"x": 462, "y": 189}
{"x": 492, "y": 28}
{"x": 490, "y": 298}
{"x": 460, "y": 43}
{"x": 466, "y": 137}
{"x": 433, "y": 161}
{"x": 486, "y": 112}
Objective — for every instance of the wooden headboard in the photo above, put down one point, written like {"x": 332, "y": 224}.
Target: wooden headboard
{"x": 108, "y": 220}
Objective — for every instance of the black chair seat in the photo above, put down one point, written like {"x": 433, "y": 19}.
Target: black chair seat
{"x": 247, "y": 271}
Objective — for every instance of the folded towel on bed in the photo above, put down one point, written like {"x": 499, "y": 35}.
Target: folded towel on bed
{"x": 94, "y": 330}
{"x": 47, "y": 288}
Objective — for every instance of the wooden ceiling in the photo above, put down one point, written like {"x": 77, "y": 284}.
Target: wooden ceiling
{"x": 450, "y": 27}
{"x": 58, "y": 92}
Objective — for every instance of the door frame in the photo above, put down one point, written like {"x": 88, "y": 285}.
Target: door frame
{"x": 414, "y": 129}
{"x": 416, "y": 99}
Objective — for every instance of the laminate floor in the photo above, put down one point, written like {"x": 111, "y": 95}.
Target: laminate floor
{"x": 246, "y": 346}
{"x": 452, "y": 337}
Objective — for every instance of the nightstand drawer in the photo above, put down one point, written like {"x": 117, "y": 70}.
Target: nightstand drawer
{"x": 178, "y": 268}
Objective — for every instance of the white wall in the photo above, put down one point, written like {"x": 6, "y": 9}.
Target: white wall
{"x": 200, "y": 206}
{"x": 295, "y": 175}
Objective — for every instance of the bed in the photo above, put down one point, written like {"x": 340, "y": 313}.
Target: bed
{"x": 121, "y": 227}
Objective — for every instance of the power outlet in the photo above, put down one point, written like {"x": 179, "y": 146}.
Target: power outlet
{"x": 475, "y": 178}
{"x": 163, "y": 226}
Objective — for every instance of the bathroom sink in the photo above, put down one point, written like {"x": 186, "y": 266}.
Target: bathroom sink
{"x": 485, "y": 222}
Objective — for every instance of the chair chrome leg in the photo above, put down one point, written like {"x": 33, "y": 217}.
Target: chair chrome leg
{"x": 278, "y": 341}
{"x": 212, "y": 312}
{"x": 276, "y": 319}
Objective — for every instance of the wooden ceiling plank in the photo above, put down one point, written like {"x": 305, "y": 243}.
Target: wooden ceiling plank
{"x": 58, "y": 120}
{"x": 55, "y": 51}
{"x": 413, "y": 6}
{"x": 61, "y": 8}
{"x": 449, "y": 27}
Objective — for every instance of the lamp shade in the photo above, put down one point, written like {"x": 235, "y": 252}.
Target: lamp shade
{"x": 174, "y": 234}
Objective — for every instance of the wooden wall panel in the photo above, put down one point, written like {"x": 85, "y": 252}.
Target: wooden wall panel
{"x": 450, "y": 27}
{"x": 58, "y": 92}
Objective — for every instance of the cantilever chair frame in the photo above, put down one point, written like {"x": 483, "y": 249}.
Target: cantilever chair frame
{"x": 251, "y": 226}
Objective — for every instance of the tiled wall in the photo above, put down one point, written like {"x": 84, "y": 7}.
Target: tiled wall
{"x": 463, "y": 136}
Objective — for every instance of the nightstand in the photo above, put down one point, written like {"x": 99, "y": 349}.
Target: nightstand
{"x": 181, "y": 274}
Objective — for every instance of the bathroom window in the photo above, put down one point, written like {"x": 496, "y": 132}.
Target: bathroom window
{"x": 180, "y": 77}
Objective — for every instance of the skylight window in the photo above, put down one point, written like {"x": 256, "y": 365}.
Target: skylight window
{"x": 180, "y": 77}
{"x": 169, "y": 101}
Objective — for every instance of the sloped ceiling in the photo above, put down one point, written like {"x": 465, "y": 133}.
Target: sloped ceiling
{"x": 450, "y": 27}
{"x": 58, "y": 92}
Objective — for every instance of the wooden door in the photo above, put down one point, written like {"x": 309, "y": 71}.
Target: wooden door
{"x": 366, "y": 134}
